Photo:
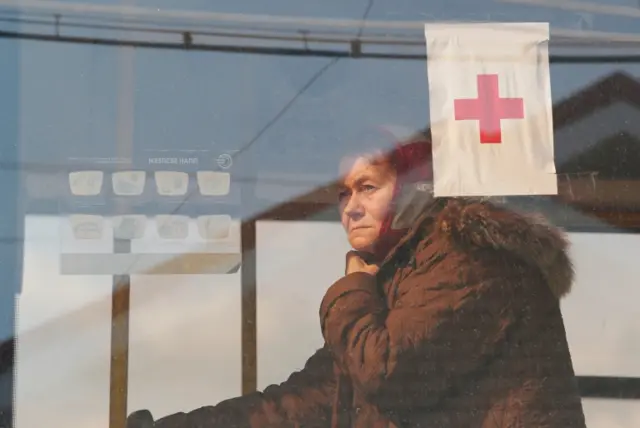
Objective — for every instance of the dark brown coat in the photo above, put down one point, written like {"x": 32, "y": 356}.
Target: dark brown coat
{"x": 460, "y": 328}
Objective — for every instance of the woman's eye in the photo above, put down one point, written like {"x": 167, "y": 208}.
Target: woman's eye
{"x": 368, "y": 188}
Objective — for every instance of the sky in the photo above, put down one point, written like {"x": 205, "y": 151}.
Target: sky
{"x": 185, "y": 351}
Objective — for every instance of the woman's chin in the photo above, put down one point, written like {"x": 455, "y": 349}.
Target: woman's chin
{"x": 363, "y": 247}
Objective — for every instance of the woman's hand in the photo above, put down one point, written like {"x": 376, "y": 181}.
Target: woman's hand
{"x": 356, "y": 262}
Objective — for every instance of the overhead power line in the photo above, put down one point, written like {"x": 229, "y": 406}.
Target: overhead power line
{"x": 57, "y": 24}
{"x": 89, "y": 29}
{"x": 187, "y": 44}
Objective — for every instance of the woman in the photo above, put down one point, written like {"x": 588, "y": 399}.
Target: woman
{"x": 448, "y": 316}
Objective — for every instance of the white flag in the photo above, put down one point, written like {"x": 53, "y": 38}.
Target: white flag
{"x": 491, "y": 111}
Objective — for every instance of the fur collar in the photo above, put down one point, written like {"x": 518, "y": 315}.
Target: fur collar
{"x": 483, "y": 224}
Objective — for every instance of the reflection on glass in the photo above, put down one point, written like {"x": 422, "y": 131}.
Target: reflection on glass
{"x": 129, "y": 226}
{"x": 214, "y": 226}
{"x": 128, "y": 183}
{"x": 172, "y": 226}
{"x": 171, "y": 183}
{"x": 214, "y": 183}
{"x": 43, "y": 186}
{"x": 86, "y": 226}
{"x": 86, "y": 183}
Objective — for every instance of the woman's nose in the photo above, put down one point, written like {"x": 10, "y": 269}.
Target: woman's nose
{"x": 354, "y": 208}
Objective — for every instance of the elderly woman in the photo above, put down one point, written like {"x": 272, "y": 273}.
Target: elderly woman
{"x": 448, "y": 316}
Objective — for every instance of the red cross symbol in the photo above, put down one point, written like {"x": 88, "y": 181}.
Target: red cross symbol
{"x": 489, "y": 109}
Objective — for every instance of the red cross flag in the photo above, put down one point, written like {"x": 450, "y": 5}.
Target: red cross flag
{"x": 490, "y": 103}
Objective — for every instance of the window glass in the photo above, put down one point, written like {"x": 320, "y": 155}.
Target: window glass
{"x": 170, "y": 224}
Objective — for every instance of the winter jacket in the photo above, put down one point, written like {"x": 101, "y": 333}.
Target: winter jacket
{"x": 461, "y": 327}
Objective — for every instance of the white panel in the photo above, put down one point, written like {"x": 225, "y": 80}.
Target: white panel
{"x": 612, "y": 413}
{"x": 185, "y": 330}
{"x": 63, "y": 348}
{"x": 600, "y": 314}
{"x": 297, "y": 262}
{"x": 185, "y": 342}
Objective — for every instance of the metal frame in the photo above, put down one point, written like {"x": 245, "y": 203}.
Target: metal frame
{"x": 11, "y": 228}
{"x": 354, "y": 51}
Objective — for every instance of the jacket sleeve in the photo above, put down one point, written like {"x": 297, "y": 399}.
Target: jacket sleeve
{"x": 304, "y": 399}
{"x": 436, "y": 333}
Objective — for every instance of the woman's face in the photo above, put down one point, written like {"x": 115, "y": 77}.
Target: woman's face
{"x": 365, "y": 200}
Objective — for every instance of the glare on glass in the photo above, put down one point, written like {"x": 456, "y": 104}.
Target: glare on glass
{"x": 172, "y": 226}
{"x": 86, "y": 183}
{"x": 171, "y": 183}
{"x": 214, "y": 183}
{"x": 214, "y": 226}
{"x": 128, "y": 183}
{"x": 86, "y": 226}
{"x": 129, "y": 226}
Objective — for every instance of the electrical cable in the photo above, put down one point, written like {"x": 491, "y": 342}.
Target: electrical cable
{"x": 286, "y": 51}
